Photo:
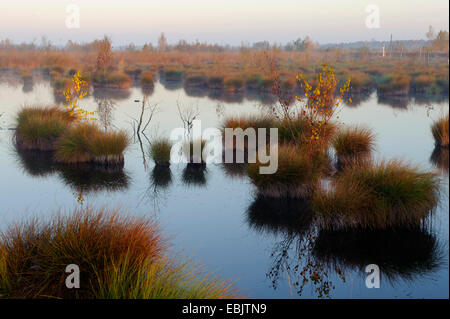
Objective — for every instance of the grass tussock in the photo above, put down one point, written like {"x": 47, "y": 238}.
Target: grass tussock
{"x": 39, "y": 127}
{"x": 377, "y": 195}
{"x": 88, "y": 143}
{"x": 298, "y": 130}
{"x": 440, "y": 131}
{"x": 118, "y": 257}
{"x": 160, "y": 151}
{"x": 191, "y": 154}
{"x": 297, "y": 175}
{"x": 353, "y": 143}
{"x": 115, "y": 80}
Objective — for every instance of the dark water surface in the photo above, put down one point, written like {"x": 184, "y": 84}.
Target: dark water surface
{"x": 213, "y": 215}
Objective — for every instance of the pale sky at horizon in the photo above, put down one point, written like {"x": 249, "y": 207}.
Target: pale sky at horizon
{"x": 220, "y": 21}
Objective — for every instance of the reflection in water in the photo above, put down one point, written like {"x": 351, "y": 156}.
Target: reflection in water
{"x": 171, "y": 85}
{"x": 27, "y": 84}
{"x": 105, "y": 107}
{"x": 307, "y": 254}
{"x": 160, "y": 180}
{"x": 161, "y": 176}
{"x": 196, "y": 91}
{"x": 400, "y": 253}
{"x": 194, "y": 174}
{"x": 262, "y": 98}
{"x": 113, "y": 94}
{"x": 81, "y": 178}
{"x": 235, "y": 170}
{"x": 426, "y": 99}
{"x": 439, "y": 158}
{"x": 397, "y": 102}
{"x": 356, "y": 98}
{"x": 292, "y": 220}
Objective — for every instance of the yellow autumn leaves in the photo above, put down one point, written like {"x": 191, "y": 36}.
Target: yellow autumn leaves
{"x": 73, "y": 95}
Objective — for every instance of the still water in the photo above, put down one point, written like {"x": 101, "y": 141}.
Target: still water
{"x": 213, "y": 214}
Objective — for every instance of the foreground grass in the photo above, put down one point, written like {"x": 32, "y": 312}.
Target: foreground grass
{"x": 378, "y": 195}
{"x": 118, "y": 257}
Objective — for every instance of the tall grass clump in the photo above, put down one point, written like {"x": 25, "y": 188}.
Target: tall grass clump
{"x": 297, "y": 175}
{"x": 160, "y": 151}
{"x": 353, "y": 143}
{"x": 248, "y": 122}
{"x": 440, "y": 131}
{"x": 188, "y": 151}
{"x": 40, "y": 127}
{"x": 118, "y": 257}
{"x": 114, "y": 80}
{"x": 298, "y": 130}
{"x": 378, "y": 195}
{"x": 88, "y": 143}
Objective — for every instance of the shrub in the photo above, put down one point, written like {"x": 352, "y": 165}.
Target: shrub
{"x": 160, "y": 151}
{"x": 118, "y": 257}
{"x": 88, "y": 143}
{"x": 440, "y": 131}
{"x": 39, "y": 127}
{"x": 377, "y": 196}
{"x": 297, "y": 175}
{"x": 353, "y": 143}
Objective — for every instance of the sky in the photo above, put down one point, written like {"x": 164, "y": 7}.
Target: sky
{"x": 219, "y": 21}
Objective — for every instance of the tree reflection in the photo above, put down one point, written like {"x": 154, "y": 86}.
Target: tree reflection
{"x": 306, "y": 255}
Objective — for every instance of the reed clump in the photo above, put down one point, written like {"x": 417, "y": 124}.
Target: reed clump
{"x": 113, "y": 80}
{"x": 190, "y": 151}
{"x": 377, "y": 195}
{"x": 160, "y": 151}
{"x": 40, "y": 127}
{"x": 86, "y": 143}
{"x": 440, "y": 131}
{"x": 118, "y": 257}
{"x": 297, "y": 175}
{"x": 352, "y": 143}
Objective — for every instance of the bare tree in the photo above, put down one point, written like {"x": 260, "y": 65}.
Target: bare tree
{"x": 187, "y": 116}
